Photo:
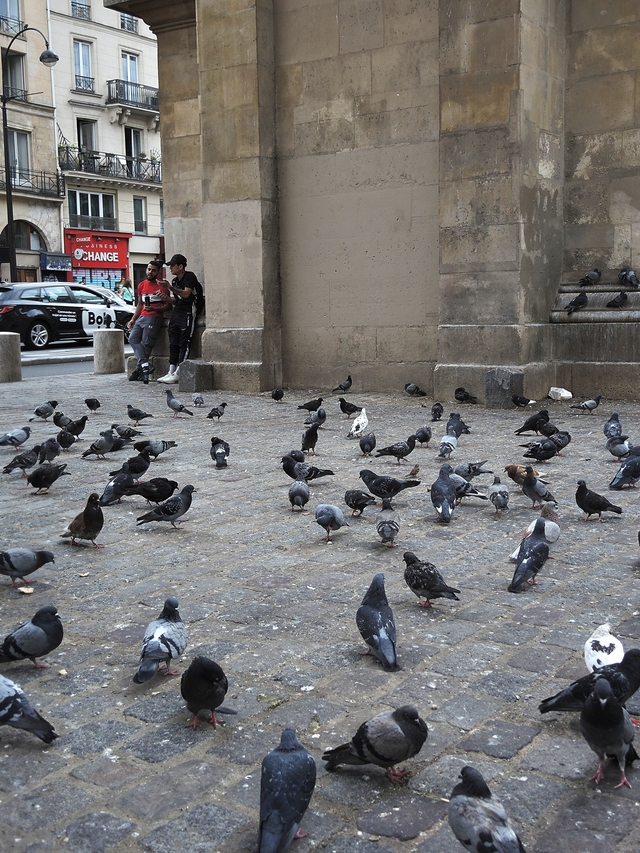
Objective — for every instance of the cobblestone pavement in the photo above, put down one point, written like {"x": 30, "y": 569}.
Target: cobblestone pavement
{"x": 263, "y": 595}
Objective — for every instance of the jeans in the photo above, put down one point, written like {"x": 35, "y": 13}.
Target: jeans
{"x": 143, "y": 336}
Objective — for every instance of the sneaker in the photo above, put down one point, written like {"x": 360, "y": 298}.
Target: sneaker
{"x": 169, "y": 379}
{"x": 136, "y": 376}
{"x": 149, "y": 368}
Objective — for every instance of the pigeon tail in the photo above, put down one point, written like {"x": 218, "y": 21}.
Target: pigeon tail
{"x": 31, "y": 721}
{"x": 146, "y": 670}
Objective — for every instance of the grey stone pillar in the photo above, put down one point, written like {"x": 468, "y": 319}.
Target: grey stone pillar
{"x": 108, "y": 351}
{"x": 10, "y": 363}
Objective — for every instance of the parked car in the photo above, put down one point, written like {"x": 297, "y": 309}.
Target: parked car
{"x": 43, "y": 312}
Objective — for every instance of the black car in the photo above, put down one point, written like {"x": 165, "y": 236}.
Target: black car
{"x": 42, "y": 312}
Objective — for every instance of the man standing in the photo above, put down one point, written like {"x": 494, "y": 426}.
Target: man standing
{"x": 183, "y": 316}
{"x": 145, "y": 325}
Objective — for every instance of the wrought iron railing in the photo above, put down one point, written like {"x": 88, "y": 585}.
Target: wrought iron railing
{"x": 140, "y": 226}
{"x": 72, "y": 159}
{"x": 84, "y": 84}
{"x": 37, "y": 183}
{"x": 128, "y": 23}
{"x": 11, "y": 93}
{"x": 10, "y": 25}
{"x": 95, "y": 223}
{"x": 80, "y": 10}
{"x": 132, "y": 94}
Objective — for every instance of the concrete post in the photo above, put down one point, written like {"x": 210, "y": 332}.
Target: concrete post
{"x": 10, "y": 365}
{"x": 108, "y": 351}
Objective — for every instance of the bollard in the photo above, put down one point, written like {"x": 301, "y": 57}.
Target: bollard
{"x": 108, "y": 351}
{"x": 10, "y": 362}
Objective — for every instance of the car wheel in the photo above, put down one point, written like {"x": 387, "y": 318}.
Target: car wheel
{"x": 38, "y": 336}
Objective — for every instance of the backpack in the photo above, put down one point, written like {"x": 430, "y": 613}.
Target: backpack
{"x": 199, "y": 297}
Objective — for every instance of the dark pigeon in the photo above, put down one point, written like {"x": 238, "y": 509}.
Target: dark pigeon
{"x": 456, "y": 425}
{"x": 77, "y": 427}
{"x": 24, "y": 460}
{"x": 92, "y": 404}
{"x": 17, "y": 563}
{"x": 310, "y": 439}
{"x": 425, "y": 581}
{"x": 61, "y": 420}
{"x": 344, "y": 386}
{"x": 624, "y": 678}
{"x": 155, "y": 490}
{"x": 44, "y": 476}
{"x": 376, "y": 625}
{"x": 203, "y": 687}
{"x": 44, "y": 410}
{"x": 385, "y": 487}
{"x": 469, "y": 470}
{"x": 577, "y": 303}
{"x": 48, "y": 451}
{"x": 592, "y": 277}
{"x": 532, "y": 423}
{"x": 437, "y": 410}
{"x": 542, "y": 450}
{"x": 170, "y": 510}
{"x": 217, "y": 411}
{"x": 65, "y": 439}
{"x": 125, "y": 431}
{"x": 312, "y": 405}
{"x": 531, "y": 557}
{"x": 116, "y": 488}
{"x": 16, "y": 711}
{"x": 165, "y": 639}
{"x": 628, "y": 473}
{"x": 520, "y": 401}
{"x": 463, "y": 396}
{"x": 37, "y": 637}
{"x": 399, "y": 450}
{"x": 137, "y": 415}
{"x": 137, "y": 466}
{"x": 443, "y": 494}
{"x": 348, "y": 409}
{"x": 592, "y": 503}
{"x": 358, "y": 501}
{"x": 607, "y": 728}
{"x": 367, "y": 444}
{"x": 423, "y": 435}
{"x": 103, "y": 444}
{"x": 619, "y": 300}
{"x": 277, "y": 394}
{"x": 88, "y": 523}
{"x": 302, "y": 470}
{"x": 414, "y": 390}
{"x": 219, "y": 451}
{"x": 298, "y": 494}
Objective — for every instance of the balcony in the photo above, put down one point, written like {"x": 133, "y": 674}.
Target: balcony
{"x": 80, "y": 10}
{"x": 11, "y": 93}
{"x": 84, "y": 84}
{"x": 10, "y": 25}
{"x": 132, "y": 95}
{"x": 93, "y": 223}
{"x": 128, "y": 23}
{"x": 47, "y": 184}
{"x": 72, "y": 159}
{"x": 139, "y": 226}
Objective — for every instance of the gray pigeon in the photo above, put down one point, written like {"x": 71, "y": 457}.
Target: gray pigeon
{"x": 35, "y": 638}
{"x": 425, "y": 581}
{"x": 469, "y": 470}
{"x": 448, "y": 444}
{"x": 443, "y": 494}
{"x": 154, "y": 446}
{"x": 592, "y": 277}
{"x": 343, "y": 386}
{"x": 219, "y": 451}
{"x": 607, "y": 728}
{"x": 44, "y": 410}
{"x": 331, "y": 518}
{"x": 298, "y": 494}
{"x": 377, "y": 626}
{"x": 316, "y": 418}
{"x": 628, "y": 473}
{"x": 498, "y": 494}
{"x": 170, "y": 510}
{"x": 414, "y": 390}
{"x": 286, "y": 786}
{"x": 48, "y": 451}
{"x": 588, "y": 405}
{"x": 613, "y": 426}
{"x": 24, "y": 460}
{"x": 618, "y": 446}
{"x": 16, "y": 437}
{"x": 531, "y": 557}
{"x": 165, "y": 638}
{"x": 125, "y": 431}
{"x": 387, "y": 523}
{"x": 367, "y": 444}
{"x": 535, "y": 489}
{"x": 101, "y": 445}
{"x": 175, "y": 405}
{"x": 217, "y": 411}
{"x": 385, "y": 741}
{"x": 203, "y": 687}
{"x": 465, "y": 489}
{"x": 19, "y": 562}
{"x": 16, "y": 711}
{"x": 197, "y": 399}
{"x": 478, "y": 820}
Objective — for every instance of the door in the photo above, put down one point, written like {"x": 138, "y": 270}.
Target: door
{"x": 19, "y": 158}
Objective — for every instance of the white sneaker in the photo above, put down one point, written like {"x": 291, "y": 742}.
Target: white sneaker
{"x": 169, "y": 379}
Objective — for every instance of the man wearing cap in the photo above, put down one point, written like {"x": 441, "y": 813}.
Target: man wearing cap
{"x": 145, "y": 325}
{"x": 182, "y": 299}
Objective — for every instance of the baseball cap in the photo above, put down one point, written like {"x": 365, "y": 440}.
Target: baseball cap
{"x": 177, "y": 259}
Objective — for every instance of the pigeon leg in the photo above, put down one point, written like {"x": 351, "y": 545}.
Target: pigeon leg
{"x": 194, "y": 723}
{"x": 368, "y": 652}
{"x": 599, "y": 775}
{"x": 623, "y": 781}
{"x": 398, "y": 777}
{"x": 533, "y": 582}
{"x": 425, "y": 603}
{"x": 300, "y": 834}
{"x": 215, "y": 720}
{"x": 41, "y": 665}
{"x": 166, "y": 670}
{"x": 95, "y": 545}
{"x": 22, "y": 580}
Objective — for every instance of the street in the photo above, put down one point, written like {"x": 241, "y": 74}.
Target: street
{"x": 64, "y": 358}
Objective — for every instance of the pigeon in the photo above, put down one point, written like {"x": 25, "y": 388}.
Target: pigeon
{"x": 535, "y": 489}
{"x": 387, "y": 523}
{"x": 425, "y": 581}
{"x": 170, "y": 510}
{"x": 443, "y": 494}
{"x": 61, "y": 420}
{"x": 92, "y": 404}
{"x": 101, "y": 445}
{"x": 532, "y": 423}
{"x": 348, "y": 409}
{"x": 612, "y": 427}
{"x": 203, "y": 686}
{"x": 456, "y": 426}
{"x": 624, "y": 678}
{"x": 316, "y": 418}
{"x": 577, "y": 303}
{"x": 498, "y": 494}
{"x": 344, "y": 386}
{"x": 628, "y": 276}
{"x": 359, "y": 425}
{"x": 77, "y": 427}
{"x": 330, "y": 517}
{"x": 549, "y": 513}
{"x": 517, "y": 473}
{"x": 155, "y": 446}
{"x": 618, "y": 446}
{"x": 116, "y": 488}
{"x": 44, "y": 476}
{"x": 532, "y": 556}
{"x": 125, "y": 431}
{"x": 602, "y": 648}
{"x": 592, "y": 503}
{"x": 587, "y": 405}
{"x": 136, "y": 466}
{"x": 120, "y": 444}
{"x": 478, "y": 820}
{"x": 24, "y": 460}
{"x": 44, "y": 410}
{"x": 16, "y": 711}
{"x": 619, "y": 300}
{"x": 423, "y": 435}
{"x": 297, "y": 455}
{"x": 37, "y": 637}
{"x": 464, "y": 489}
{"x": 197, "y": 399}
{"x": 592, "y": 277}
{"x": 312, "y": 405}
{"x": 298, "y": 494}
{"x": 165, "y": 638}
{"x": 561, "y": 439}
{"x": 17, "y": 563}
{"x": 377, "y": 626}
{"x": 398, "y": 450}
{"x": 358, "y": 501}
{"x": 385, "y": 740}
{"x": 469, "y": 470}
{"x": 310, "y": 439}
{"x": 65, "y": 439}
{"x": 137, "y": 415}
{"x": 48, "y": 451}
{"x": 367, "y": 443}
{"x": 217, "y": 411}
{"x": 156, "y": 490}
{"x": 520, "y": 401}
{"x": 463, "y": 396}
{"x": 607, "y": 728}
{"x": 219, "y": 451}
{"x": 277, "y": 394}
{"x": 385, "y": 487}
{"x": 448, "y": 444}
{"x": 628, "y": 473}
{"x": 287, "y": 781}
{"x": 175, "y": 405}
{"x": 542, "y": 450}
{"x": 437, "y": 411}
{"x": 414, "y": 390}
{"x": 15, "y": 438}
{"x": 88, "y": 523}
{"x": 302, "y": 470}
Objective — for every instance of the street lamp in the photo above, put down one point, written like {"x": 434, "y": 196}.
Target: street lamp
{"x": 48, "y": 58}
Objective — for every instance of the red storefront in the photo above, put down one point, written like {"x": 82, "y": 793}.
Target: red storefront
{"x": 101, "y": 258}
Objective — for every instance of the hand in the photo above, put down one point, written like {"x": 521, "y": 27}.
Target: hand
{"x": 130, "y": 324}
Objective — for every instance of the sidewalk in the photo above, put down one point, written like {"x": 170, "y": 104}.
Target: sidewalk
{"x": 264, "y": 596}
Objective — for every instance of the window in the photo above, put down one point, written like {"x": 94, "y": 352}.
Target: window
{"x": 128, "y": 23}
{"x": 14, "y": 87}
{"x": 56, "y": 294}
{"x": 129, "y": 63}
{"x": 82, "y": 65}
{"x": 133, "y": 150}
{"x": 25, "y": 236}
{"x": 85, "y": 296}
{"x": 10, "y": 16}
{"x": 92, "y": 210}
{"x": 162, "y": 216}
{"x": 19, "y": 157}
{"x": 87, "y": 135}
{"x": 32, "y": 294}
{"x": 80, "y": 9}
{"x": 139, "y": 215}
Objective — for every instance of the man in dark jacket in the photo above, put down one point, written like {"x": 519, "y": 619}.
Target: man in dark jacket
{"x": 183, "y": 316}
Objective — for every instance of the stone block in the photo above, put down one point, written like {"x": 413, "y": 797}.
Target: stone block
{"x": 601, "y": 103}
{"x": 484, "y": 98}
{"x": 486, "y": 248}
{"x": 361, "y": 25}
{"x": 493, "y": 43}
{"x": 500, "y": 385}
{"x": 196, "y": 375}
{"x": 405, "y": 66}
{"x": 10, "y": 359}
{"x": 408, "y": 20}
{"x": 307, "y": 33}
{"x": 108, "y": 351}
{"x": 478, "y": 154}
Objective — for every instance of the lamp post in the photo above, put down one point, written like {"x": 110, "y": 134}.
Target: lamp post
{"x": 48, "y": 58}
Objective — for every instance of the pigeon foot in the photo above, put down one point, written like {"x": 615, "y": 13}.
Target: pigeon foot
{"x": 623, "y": 781}
{"x": 398, "y": 777}
{"x": 599, "y": 775}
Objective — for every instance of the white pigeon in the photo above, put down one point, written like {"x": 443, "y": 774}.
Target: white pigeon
{"x": 359, "y": 425}
{"x": 602, "y": 648}
{"x": 551, "y": 527}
